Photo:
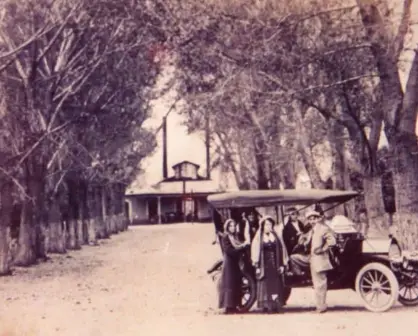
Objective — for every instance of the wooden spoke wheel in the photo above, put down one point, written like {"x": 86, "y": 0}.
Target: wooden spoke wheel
{"x": 377, "y": 286}
{"x": 248, "y": 293}
{"x": 408, "y": 291}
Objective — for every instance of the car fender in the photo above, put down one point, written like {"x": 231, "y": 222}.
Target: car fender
{"x": 361, "y": 261}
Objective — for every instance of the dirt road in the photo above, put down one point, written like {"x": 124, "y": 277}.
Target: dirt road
{"x": 152, "y": 280}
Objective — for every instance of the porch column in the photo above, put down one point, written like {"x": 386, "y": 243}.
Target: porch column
{"x": 159, "y": 209}
{"x": 128, "y": 206}
{"x": 183, "y": 201}
{"x": 147, "y": 216}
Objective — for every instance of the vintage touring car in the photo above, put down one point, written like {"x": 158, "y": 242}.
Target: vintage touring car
{"x": 377, "y": 269}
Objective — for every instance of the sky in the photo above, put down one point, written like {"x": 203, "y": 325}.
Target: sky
{"x": 182, "y": 146}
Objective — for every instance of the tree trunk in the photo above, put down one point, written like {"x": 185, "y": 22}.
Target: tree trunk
{"x": 6, "y": 203}
{"x": 120, "y": 207}
{"x": 83, "y": 220}
{"x": 287, "y": 175}
{"x": 120, "y": 222}
{"x": 373, "y": 199}
{"x": 93, "y": 236}
{"x": 112, "y": 204}
{"x": 114, "y": 207}
{"x": 57, "y": 237}
{"x": 115, "y": 223}
{"x": 274, "y": 176}
{"x": 4, "y": 247}
{"x": 340, "y": 169}
{"x": 305, "y": 150}
{"x": 72, "y": 241}
{"x": 308, "y": 161}
{"x": 228, "y": 159}
{"x": 125, "y": 222}
{"x": 40, "y": 234}
{"x": 81, "y": 228}
{"x": 406, "y": 186}
{"x": 26, "y": 254}
{"x": 5, "y": 217}
{"x": 40, "y": 224}
{"x": 90, "y": 215}
{"x": 32, "y": 238}
{"x": 57, "y": 229}
{"x": 80, "y": 232}
{"x": 105, "y": 210}
{"x": 36, "y": 173}
{"x": 260, "y": 149}
{"x": 350, "y": 206}
{"x": 73, "y": 215}
{"x": 337, "y": 149}
{"x": 102, "y": 232}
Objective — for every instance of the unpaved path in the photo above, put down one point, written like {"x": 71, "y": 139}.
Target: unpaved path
{"x": 151, "y": 280}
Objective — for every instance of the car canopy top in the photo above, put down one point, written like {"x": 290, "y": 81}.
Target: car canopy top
{"x": 265, "y": 198}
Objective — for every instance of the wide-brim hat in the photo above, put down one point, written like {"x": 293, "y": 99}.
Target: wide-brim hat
{"x": 311, "y": 213}
{"x": 291, "y": 210}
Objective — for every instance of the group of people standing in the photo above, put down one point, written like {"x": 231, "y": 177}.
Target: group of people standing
{"x": 274, "y": 250}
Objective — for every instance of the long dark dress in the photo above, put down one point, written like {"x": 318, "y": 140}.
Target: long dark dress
{"x": 271, "y": 282}
{"x": 230, "y": 282}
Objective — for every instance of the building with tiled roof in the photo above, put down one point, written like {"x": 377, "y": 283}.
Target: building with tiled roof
{"x": 175, "y": 199}
{"x": 179, "y": 197}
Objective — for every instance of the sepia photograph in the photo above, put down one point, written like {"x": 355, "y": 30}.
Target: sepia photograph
{"x": 208, "y": 167}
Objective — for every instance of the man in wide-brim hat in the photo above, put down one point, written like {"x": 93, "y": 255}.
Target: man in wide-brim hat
{"x": 300, "y": 260}
{"x": 292, "y": 230}
{"x": 322, "y": 239}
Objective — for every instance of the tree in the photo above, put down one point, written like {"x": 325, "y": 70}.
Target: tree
{"x": 87, "y": 68}
{"x": 399, "y": 107}
{"x": 335, "y": 58}
{"x": 241, "y": 51}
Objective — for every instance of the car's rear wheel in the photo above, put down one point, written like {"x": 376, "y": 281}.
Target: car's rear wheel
{"x": 377, "y": 286}
{"x": 408, "y": 291}
{"x": 248, "y": 293}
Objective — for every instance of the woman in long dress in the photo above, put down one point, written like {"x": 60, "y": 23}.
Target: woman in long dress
{"x": 269, "y": 257}
{"x": 231, "y": 279}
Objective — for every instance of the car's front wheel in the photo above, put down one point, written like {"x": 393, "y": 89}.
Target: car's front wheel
{"x": 377, "y": 286}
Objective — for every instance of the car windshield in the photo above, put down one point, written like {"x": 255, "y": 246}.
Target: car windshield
{"x": 343, "y": 224}
{"x": 377, "y": 233}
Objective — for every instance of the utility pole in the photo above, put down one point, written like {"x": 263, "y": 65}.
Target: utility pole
{"x": 165, "y": 172}
{"x": 207, "y": 143}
